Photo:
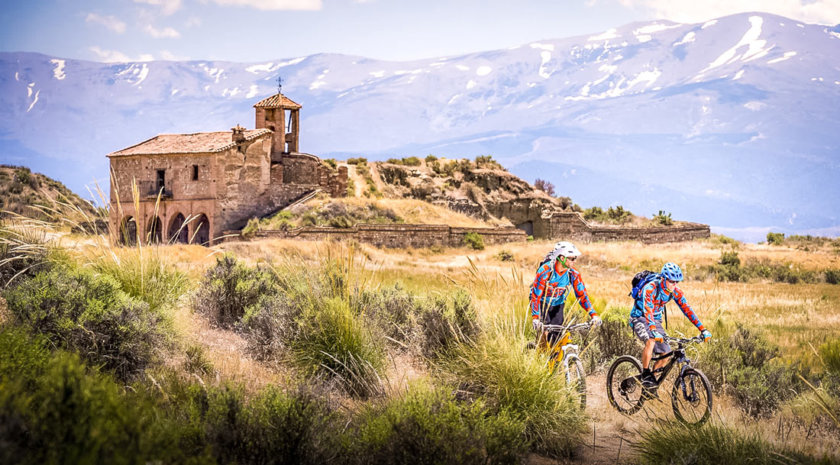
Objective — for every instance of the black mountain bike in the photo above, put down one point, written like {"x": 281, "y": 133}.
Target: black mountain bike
{"x": 691, "y": 396}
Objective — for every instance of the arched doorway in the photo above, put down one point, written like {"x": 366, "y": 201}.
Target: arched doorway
{"x": 178, "y": 231}
{"x": 155, "y": 232}
{"x": 128, "y": 231}
{"x": 201, "y": 235}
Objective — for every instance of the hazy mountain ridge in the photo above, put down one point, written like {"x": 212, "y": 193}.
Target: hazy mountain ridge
{"x": 722, "y": 114}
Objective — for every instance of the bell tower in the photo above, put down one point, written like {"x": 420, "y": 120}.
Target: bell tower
{"x": 271, "y": 113}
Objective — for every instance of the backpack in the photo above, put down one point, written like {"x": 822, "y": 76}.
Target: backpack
{"x": 639, "y": 281}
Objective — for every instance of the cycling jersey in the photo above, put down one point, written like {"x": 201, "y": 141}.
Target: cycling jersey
{"x": 653, "y": 300}
{"x": 550, "y": 286}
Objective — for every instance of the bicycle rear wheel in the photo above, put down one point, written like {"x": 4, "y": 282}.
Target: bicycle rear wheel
{"x": 624, "y": 385}
{"x": 691, "y": 397}
{"x": 576, "y": 378}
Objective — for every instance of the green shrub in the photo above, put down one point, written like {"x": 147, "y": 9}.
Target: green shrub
{"x": 445, "y": 321}
{"x": 88, "y": 313}
{"x": 663, "y": 218}
{"x": 618, "y": 214}
{"x": 330, "y": 162}
{"x": 427, "y": 425}
{"x": 505, "y": 256}
{"x": 711, "y": 444}
{"x": 62, "y": 412}
{"x": 746, "y": 366}
{"x": 229, "y": 288}
{"x": 830, "y": 355}
{"x": 474, "y": 240}
{"x": 516, "y": 381}
{"x": 775, "y": 238}
{"x": 594, "y": 213}
{"x": 393, "y": 311}
{"x": 250, "y": 229}
{"x": 411, "y": 161}
{"x": 144, "y": 276}
{"x": 612, "y": 339}
{"x": 832, "y": 276}
{"x": 196, "y": 361}
{"x": 430, "y": 158}
{"x": 730, "y": 259}
{"x": 334, "y": 343}
{"x": 357, "y": 161}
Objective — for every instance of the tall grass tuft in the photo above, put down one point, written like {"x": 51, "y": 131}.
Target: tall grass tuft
{"x": 712, "y": 444}
{"x": 518, "y": 382}
{"x": 428, "y": 425}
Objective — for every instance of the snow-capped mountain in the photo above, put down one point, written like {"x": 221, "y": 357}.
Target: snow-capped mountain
{"x": 734, "y": 122}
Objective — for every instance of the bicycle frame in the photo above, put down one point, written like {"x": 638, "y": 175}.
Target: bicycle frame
{"x": 563, "y": 348}
{"x": 677, "y": 356}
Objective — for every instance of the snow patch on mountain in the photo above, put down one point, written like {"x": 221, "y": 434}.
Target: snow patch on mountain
{"x": 483, "y": 70}
{"x": 688, "y": 38}
{"x": 58, "y": 71}
{"x": 709, "y": 24}
{"x": 319, "y": 81}
{"x": 786, "y": 56}
{"x": 607, "y": 35}
{"x": 755, "y": 47}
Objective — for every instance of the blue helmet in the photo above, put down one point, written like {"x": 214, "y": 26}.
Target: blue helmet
{"x": 672, "y": 272}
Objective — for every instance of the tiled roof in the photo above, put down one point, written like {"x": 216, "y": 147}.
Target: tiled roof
{"x": 201, "y": 142}
{"x": 277, "y": 101}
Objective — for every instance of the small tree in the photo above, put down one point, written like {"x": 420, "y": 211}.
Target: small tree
{"x": 544, "y": 186}
{"x": 775, "y": 238}
{"x": 663, "y": 218}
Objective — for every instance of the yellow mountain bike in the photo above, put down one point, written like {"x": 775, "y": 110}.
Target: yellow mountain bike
{"x": 563, "y": 354}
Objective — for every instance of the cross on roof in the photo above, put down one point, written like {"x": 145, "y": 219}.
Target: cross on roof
{"x": 279, "y": 84}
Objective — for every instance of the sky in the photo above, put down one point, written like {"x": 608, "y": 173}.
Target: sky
{"x": 399, "y": 30}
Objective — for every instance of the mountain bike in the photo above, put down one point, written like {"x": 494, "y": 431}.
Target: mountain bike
{"x": 691, "y": 396}
{"x": 566, "y": 353}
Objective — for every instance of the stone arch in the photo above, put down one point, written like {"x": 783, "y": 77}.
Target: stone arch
{"x": 201, "y": 228}
{"x": 128, "y": 231}
{"x": 178, "y": 231}
{"x": 154, "y": 232}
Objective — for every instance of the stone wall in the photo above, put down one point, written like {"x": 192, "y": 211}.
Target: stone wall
{"x": 400, "y": 235}
{"x": 571, "y": 225}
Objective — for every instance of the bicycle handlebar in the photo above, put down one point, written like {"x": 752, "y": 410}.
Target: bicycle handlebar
{"x": 561, "y": 328}
{"x": 679, "y": 340}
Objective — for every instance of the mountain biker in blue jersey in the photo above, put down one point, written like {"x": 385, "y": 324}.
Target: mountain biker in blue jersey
{"x": 549, "y": 290}
{"x": 646, "y": 317}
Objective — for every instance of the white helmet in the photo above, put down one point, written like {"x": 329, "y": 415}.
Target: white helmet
{"x": 566, "y": 249}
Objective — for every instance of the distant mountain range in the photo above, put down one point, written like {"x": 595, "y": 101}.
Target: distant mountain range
{"x": 734, "y": 122}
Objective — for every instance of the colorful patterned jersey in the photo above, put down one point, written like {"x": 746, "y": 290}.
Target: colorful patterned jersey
{"x": 653, "y": 300}
{"x": 550, "y": 288}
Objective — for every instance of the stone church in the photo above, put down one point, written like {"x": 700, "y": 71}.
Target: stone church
{"x": 193, "y": 188}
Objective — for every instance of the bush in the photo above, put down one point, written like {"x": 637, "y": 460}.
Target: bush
{"x": 711, "y": 444}
{"x": 334, "y": 343}
{"x": 663, "y": 218}
{"x": 430, "y": 158}
{"x": 544, "y": 186}
{"x": 474, "y": 240}
{"x": 745, "y": 365}
{"x": 832, "y": 276}
{"x": 357, "y": 161}
{"x": 445, "y": 321}
{"x": 517, "y": 382}
{"x": 55, "y": 410}
{"x": 505, "y": 256}
{"x": 87, "y": 313}
{"x": 427, "y": 425}
{"x": 393, "y": 311}
{"x": 775, "y": 238}
{"x": 144, "y": 276}
{"x": 23, "y": 253}
{"x": 250, "y": 229}
{"x": 830, "y": 355}
{"x": 229, "y": 288}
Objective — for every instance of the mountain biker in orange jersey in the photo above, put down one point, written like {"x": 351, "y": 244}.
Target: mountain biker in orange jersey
{"x": 549, "y": 290}
{"x": 646, "y": 317}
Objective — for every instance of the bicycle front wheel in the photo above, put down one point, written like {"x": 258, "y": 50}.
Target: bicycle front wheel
{"x": 691, "y": 397}
{"x": 576, "y": 379}
{"x": 624, "y": 385}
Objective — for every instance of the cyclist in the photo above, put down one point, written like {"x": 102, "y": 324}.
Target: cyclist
{"x": 549, "y": 290}
{"x": 646, "y": 317}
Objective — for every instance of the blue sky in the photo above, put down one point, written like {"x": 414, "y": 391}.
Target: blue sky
{"x": 255, "y": 30}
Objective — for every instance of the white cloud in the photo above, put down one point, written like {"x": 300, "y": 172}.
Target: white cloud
{"x": 109, "y": 22}
{"x": 692, "y": 11}
{"x": 273, "y": 4}
{"x": 167, "y": 6}
{"x": 113, "y": 56}
{"x": 165, "y": 33}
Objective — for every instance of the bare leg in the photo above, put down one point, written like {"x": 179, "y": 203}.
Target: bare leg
{"x": 647, "y": 353}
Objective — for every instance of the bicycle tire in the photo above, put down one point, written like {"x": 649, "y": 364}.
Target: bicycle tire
{"x": 576, "y": 378}
{"x": 623, "y": 379}
{"x": 689, "y": 379}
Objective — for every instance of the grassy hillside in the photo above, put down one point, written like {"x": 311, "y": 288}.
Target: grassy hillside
{"x": 315, "y": 352}
{"x": 29, "y": 194}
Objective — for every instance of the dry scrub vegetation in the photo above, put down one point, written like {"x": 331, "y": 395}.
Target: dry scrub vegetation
{"x": 281, "y": 351}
